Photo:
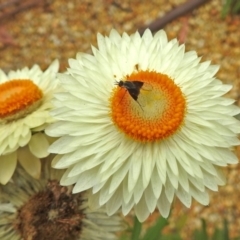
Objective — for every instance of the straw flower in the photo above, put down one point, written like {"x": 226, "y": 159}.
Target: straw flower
{"x": 142, "y": 121}
{"x": 42, "y": 209}
{"x": 25, "y": 101}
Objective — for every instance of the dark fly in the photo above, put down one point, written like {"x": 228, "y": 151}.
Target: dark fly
{"x": 133, "y": 87}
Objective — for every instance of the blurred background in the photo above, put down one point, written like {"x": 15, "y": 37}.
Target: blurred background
{"x": 39, "y": 31}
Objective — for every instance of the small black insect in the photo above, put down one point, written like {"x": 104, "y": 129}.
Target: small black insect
{"x": 133, "y": 87}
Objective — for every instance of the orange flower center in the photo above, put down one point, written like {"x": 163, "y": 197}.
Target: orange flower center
{"x": 149, "y": 111}
{"x": 18, "y": 98}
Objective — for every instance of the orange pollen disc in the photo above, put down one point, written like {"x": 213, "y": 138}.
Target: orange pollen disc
{"x": 147, "y": 106}
{"x": 18, "y": 98}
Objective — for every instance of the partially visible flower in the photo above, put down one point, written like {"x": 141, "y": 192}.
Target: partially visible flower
{"x": 25, "y": 102}
{"x": 42, "y": 209}
{"x": 161, "y": 129}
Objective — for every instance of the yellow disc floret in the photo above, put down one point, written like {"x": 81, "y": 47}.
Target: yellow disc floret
{"x": 18, "y": 98}
{"x": 158, "y": 111}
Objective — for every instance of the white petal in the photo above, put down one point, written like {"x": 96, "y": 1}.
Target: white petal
{"x": 161, "y": 163}
{"x": 183, "y": 179}
{"x": 66, "y": 180}
{"x": 169, "y": 190}
{"x": 150, "y": 199}
{"x": 38, "y": 145}
{"x": 172, "y": 177}
{"x": 197, "y": 182}
{"x": 156, "y": 183}
{"x": 201, "y": 197}
{"x": 185, "y": 197}
{"x": 104, "y": 194}
{"x": 163, "y": 205}
{"x": 114, "y": 203}
{"x": 24, "y": 139}
{"x": 141, "y": 210}
{"x": 118, "y": 177}
{"x": 7, "y": 207}
{"x": 126, "y": 207}
{"x": 134, "y": 170}
{"x": 94, "y": 201}
{"x": 29, "y": 162}
{"x": 210, "y": 181}
{"x": 138, "y": 190}
{"x": 85, "y": 181}
{"x": 3, "y": 76}
{"x": 148, "y": 164}
{"x": 127, "y": 196}
{"x": 7, "y": 167}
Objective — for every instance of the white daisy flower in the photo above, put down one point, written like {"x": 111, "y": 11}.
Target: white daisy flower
{"x": 25, "y": 101}
{"x": 42, "y": 209}
{"x": 142, "y": 121}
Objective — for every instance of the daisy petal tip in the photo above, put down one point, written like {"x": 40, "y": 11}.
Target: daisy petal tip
{"x": 54, "y": 66}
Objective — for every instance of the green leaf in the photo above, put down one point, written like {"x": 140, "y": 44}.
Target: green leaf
{"x": 154, "y": 233}
{"x": 124, "y": 237}
{"x": 236, "y": 7}
{"x": 226, "y": 8}
{"x": 225, "y": 230}
{"x": 222, "y": 234}
{"x": 181, "y": 221}
{"x": 136, "y": 229}
{"x": 174, "y": 236}
{"x": 237, "y": 238}
{"x": 218, "y": 234}
{"x": 230, "y": 6}
{"x": 201, "y": 234}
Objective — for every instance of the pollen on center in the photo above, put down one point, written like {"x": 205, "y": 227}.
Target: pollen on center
{"x": 18, "y": 98}
{"x": 150, "y": 111}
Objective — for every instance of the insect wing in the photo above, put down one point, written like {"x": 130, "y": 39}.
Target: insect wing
{"x": 133, "y": 88}
{"x": 137, "y": 84}
{"x": 138, "y": 90}
{"x": 134, "y": 93}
